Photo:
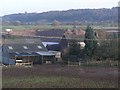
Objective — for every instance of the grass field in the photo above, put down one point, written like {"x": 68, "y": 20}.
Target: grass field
{"x": 57, "y": 76}
{"x": 35, "y": 27}
{"x": 43, "y": 27}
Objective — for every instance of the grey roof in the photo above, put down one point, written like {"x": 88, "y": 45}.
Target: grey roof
{"x": 54, "y": 47}
{"x": 52, "y": 32}
{"x": 22, "y": 41}
{"x": 53, "y": 35}
{"x": 51, "y": 39}
{"x": 17, "y": 45}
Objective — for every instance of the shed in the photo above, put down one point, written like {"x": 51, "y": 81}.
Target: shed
{"x": 28, "y": 50}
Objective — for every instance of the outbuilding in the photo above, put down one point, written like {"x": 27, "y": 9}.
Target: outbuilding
{"x": 25, "y": 51}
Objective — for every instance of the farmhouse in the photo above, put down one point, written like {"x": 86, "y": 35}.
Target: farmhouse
{"x": 25, "y": 51}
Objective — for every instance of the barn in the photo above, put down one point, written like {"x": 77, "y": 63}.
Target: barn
{"x": 25, "y": 51}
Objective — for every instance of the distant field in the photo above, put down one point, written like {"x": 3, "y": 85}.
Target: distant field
{"x": 36, "y": 27}
{"x": 57, "y": 76}
{"x": 43, "y": 27}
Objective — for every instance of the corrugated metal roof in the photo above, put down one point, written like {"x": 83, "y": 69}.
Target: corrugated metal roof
{"x": 25, "y": 54}
{"x": 22, "y": 54}
{"x": 43, "y": 53}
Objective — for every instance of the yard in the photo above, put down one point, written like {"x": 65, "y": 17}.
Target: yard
{"x": 60, "y": 76}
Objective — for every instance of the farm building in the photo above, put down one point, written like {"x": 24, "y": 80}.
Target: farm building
{"x": 57, "y": 39}
{"x": 51, "y": 39}
{"x": 53, "y": 35}
{"x": 25, "y": 51}
{"x": 35, "y": 51}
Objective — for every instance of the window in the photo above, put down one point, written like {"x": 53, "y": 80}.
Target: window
{"x": 25, "y": 47}
{"x": 10, "y": 47}
{"x": 39, "y": 47}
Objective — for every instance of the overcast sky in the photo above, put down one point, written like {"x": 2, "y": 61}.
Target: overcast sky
{"x": 20, "y": 6}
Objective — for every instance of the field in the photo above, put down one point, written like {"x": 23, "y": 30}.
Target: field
{"x": 44, "y": 27}
{"x": 35, "y": 27}
{"x": 60, "y": 76}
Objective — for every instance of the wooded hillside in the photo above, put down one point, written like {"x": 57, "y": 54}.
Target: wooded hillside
{"x": 72, "y": 15}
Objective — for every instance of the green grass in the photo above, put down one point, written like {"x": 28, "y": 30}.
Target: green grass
{"x": 54, "y": 82}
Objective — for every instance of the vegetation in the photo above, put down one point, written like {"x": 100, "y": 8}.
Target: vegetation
{"x": 108, "y": 49}
{"x": 77, "y": 15}
{"x": 57, "y": 76}
{"x": 97, "y": 48}
{"x": 36, "y": 27}
{"x": 101, "y": 49}
{"x": 97, "y": 27}
{"x": 74, "y": 48}
{"x": 73, "y": 52}
{"x": 91, "y": 43}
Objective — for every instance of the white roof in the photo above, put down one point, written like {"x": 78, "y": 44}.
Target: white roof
{"x": 45, "y": 53}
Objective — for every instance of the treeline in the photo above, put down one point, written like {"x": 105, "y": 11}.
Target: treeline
{"x": 72, "y": 15}
{"x": 95, "y": 49}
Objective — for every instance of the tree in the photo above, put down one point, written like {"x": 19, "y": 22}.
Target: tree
{"x": 108, "y": 49}
{"x": 91, "y": 43}
{"x": 72, "y": 52}
{"x": 74, "y": 48}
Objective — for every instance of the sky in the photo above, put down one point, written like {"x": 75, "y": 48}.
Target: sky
{"x": 21, "y": 6}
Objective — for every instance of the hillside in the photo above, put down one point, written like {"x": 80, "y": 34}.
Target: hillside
{"x": 72, "y": 15}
